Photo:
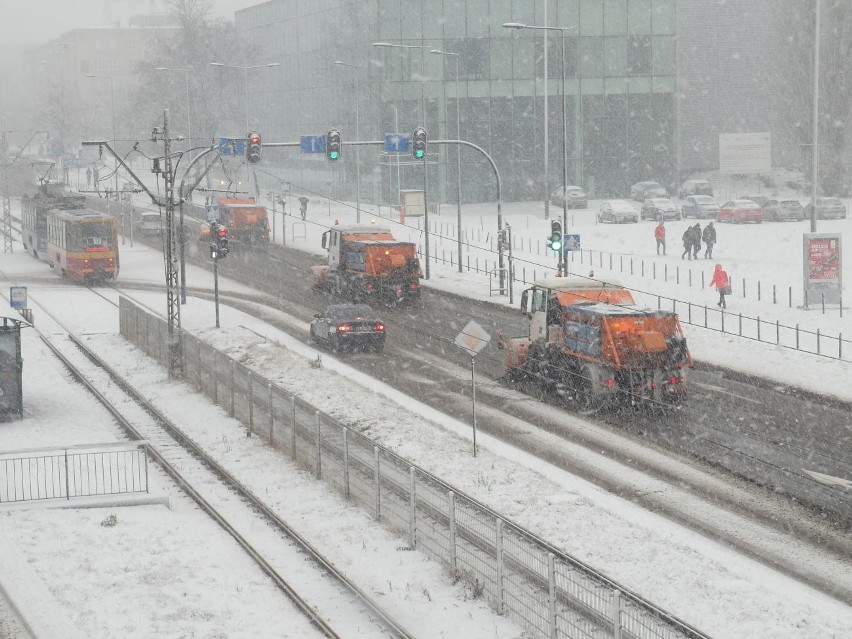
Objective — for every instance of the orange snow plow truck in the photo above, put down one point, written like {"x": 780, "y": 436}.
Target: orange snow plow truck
{"x": 245, "y": 219}
{"x": 588, "y": 341}
{"x": 365, "y": 261}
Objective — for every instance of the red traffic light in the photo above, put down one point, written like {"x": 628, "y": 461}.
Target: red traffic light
{"x": 254, "y": 138}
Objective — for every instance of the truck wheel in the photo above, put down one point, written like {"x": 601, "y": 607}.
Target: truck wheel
{"x": 583, "y": 392}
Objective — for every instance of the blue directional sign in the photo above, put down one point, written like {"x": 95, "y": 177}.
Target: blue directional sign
{"x": 312, "y": 143}
{"x": 232, "y": 146}
{"x": 571, "y": 242}
{"x": 397, "y": 143}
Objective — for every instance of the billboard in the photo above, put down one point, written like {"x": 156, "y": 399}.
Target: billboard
{"x": 822, "y": 268}
{"x": 745, "y": 153}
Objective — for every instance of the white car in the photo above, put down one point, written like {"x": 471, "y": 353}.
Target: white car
{"x": 618, "y": 212}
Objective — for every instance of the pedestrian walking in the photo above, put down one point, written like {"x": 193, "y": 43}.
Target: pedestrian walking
{"x": 660, "y": 236}
{"x": 722, "y": 283}
{"x": 687, "y": 243}
{"x": 709, "y": 237}
{"x": 95, "y": 176}
{"x": 88, "y": 177}
{"x": 303, "y": 206}
{"x": 696, "y": 240}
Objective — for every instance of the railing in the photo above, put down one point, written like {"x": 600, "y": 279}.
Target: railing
{"x": 547, "y": 591}
{"x": 79, "y": 471}
{"x": 796, "y": 337}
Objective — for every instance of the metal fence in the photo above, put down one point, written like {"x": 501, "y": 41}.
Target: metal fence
{"x": 548, "y": 592}
{"x": 805, "y": 339}
{"x": 73, "y": 472}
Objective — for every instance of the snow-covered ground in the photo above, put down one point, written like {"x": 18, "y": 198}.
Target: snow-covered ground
{"x": 124, "y": 581}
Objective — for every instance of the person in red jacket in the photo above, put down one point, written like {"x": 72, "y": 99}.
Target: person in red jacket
{"x": 722, "y": 283}
{"x": 660, "y": 235}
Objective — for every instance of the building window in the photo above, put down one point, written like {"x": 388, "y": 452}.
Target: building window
{"x": 638, "y": 55}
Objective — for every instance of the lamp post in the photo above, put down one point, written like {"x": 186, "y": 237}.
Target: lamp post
{"x": 455, "y": 57}
{"x": 561, "y": 30}
{"x": 815, "y": 133}
{"x": 357, "y": 135}
{"x": 423, "y": 123}
{"x": 112, "y": 105}
{"x": 188, "y": 119}
{"x": 245, "y": 79}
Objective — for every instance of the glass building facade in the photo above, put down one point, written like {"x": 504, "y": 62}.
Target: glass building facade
{"x": 618, "y": 98}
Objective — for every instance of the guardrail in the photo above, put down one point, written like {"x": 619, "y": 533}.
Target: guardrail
{"x": 78, "y": 471}
{"x": 546, "y": 590}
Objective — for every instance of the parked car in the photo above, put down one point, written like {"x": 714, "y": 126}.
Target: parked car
{"x": 575, "y": 198}
{"x": 343, "y": 327}
{"x": 702, "y": 207}
{"x": 828, "y": 208}
{"x": 739, "y": 211}
{"x": 149, "y": 224}
{"x": 695, "y": 187}
{"x": 659, "y": 208}
{"x": 783, "y": 210}
{"x": 641, "y": 191}
{"x": 760, "y": 200}
{"x": 618, "y": 212}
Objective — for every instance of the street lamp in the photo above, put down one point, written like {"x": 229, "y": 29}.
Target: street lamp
{"x": 519, "y": 25}
{"x": 456, "y": 57}
{"x": 245, "y": 78}
{"x": 358, "y": 136}
{"x": 561, "y": 30}
{"x": 112, "y": 104}
{"x": 423, "y": 123}
{"x": 188, "y": 120}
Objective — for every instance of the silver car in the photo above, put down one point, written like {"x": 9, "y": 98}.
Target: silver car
{"x": 659, "y": 208}
{"x": 783, "y": 210}
{"x": 702, "y": 207}
{"x": 618, "y": 212}
{"x": 574, "y": 198}
{"x": 641, "y": 191}
{"x": 828, "y": 208}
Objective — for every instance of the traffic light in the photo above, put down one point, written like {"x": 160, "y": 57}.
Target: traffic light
{"x": 554, "y": 242}
{"x": 332, "y": 145}
{"x": 253, "y": 148}
{"x": 222, "y": 241}
{"x": 418, "y": 143}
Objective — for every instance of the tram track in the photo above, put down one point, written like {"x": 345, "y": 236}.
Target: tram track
{"x": 332, "y": 603}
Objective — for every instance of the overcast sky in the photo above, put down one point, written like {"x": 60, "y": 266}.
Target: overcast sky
{"x": 34, "y": 22}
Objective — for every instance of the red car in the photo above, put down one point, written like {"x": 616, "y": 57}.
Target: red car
{"x": 739, "y": 211}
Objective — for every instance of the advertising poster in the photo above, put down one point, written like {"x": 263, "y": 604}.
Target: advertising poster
{"x": 822, "y": 268}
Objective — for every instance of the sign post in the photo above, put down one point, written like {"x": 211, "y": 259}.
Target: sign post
{"x": 473, "y": 338}
{"x": 570, "y": 242}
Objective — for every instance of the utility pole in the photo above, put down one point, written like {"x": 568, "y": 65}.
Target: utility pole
{"x": 176, "y": 361}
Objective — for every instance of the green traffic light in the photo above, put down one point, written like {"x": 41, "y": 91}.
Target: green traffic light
{"x": 334, "y": 155}
{"x": 419, "y": 154}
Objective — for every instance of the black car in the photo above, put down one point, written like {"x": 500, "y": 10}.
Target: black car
{"x": 349, "y": 327}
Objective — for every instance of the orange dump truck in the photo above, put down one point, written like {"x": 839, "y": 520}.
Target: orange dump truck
{"x": 588, "y": 341}
{"x": 368, "y": 262}
{"x": 245, "y": 219}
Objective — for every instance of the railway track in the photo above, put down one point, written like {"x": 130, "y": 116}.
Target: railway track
{"x": 332, "y": 603}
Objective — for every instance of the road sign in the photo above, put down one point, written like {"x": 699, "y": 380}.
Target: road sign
{"x": 18, "y": 296}
{"x": 232, "y": 146}
{"x": 473, "y": 338}
{"x": 397, "y": 143}
{"x": 571, "y": 242}
{"x": 312, "y": 143}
